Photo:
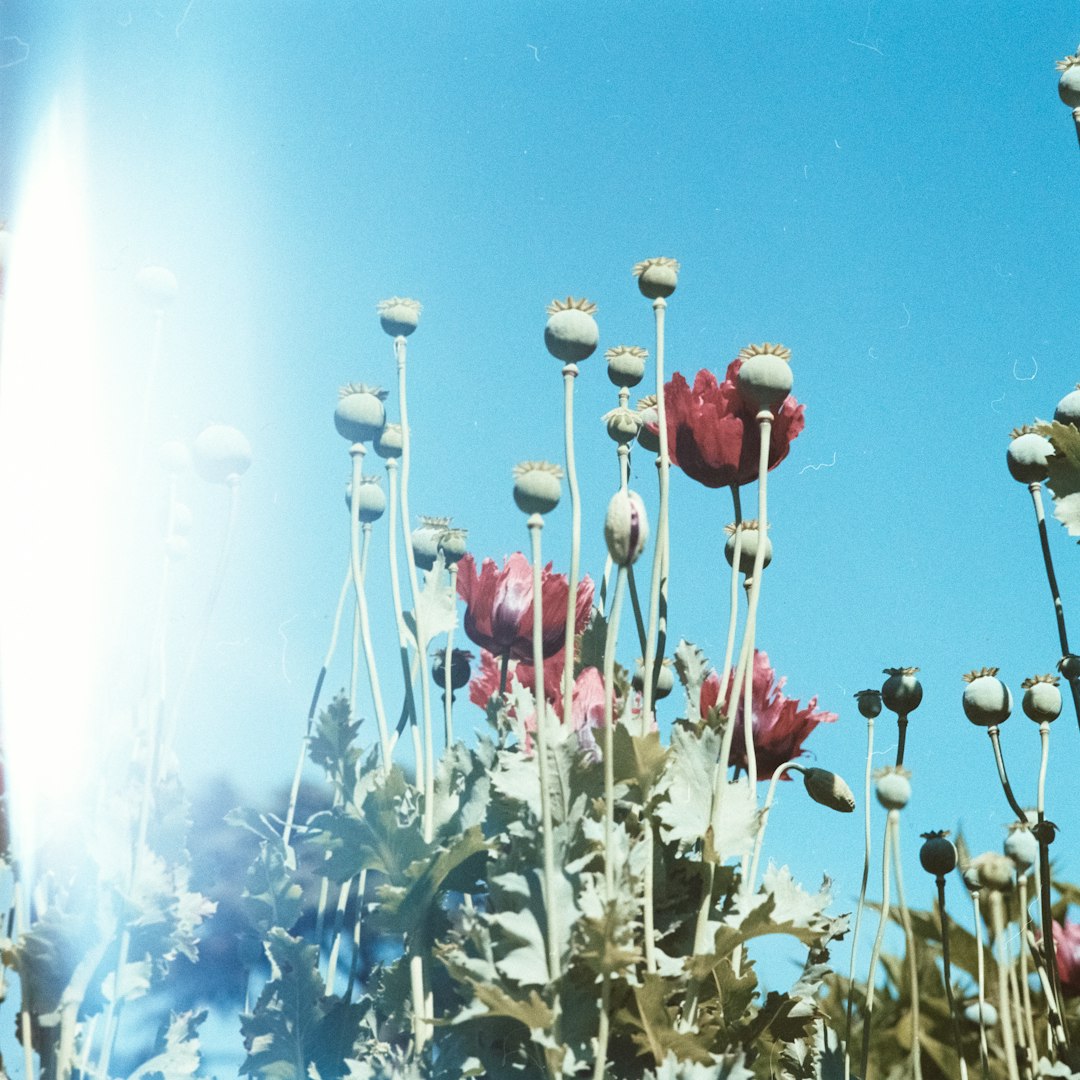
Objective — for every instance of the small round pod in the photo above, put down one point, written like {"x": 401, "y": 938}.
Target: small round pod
{"x": 399, "y": 316}
{"x": 986, "y": 1013}
{"x": 938, "y": 853}
{"x": 1068, "y": 408}
{"x": 753, "y": 537}
{"x": 1069, "y": 666}
{"x": 665, "y": 679}
{"x": 537, "y": 486}
{"x": 390, "y": 442}
{"x": 649, "y": 433}
{"x": 426, "y": 538}
{"x": 1042, "y": 698}
{"x": 829, "y": 789}
{"x": 157, "y": 285}
{"x": 657, "y": 277}
{"x": 360, "y": 414}
{"x": 901, "y": 691}
{"x": 869, "y": 702}
{"x": 460, "y": 670}
{"x": 370, "y": 502}
{"x": 971, "y": 879}
{"x": 454, "y": 545}
{"x": 626, "y": 364}
{"x": 622, "y": 425}
{"x": 571, "y": 333}
{"x": 1069, "y": 83}
{"x": 764, "y": 378}
{"x": 221, "y": 454}
{"x": 175, "y": 457}
{"x": 1021, "y": 847}
{"x": 995, "y": 871}
{"x": 893, "y": 787}
{"x": 1028, "y": 456}
{"x": 626, "y": 527}
{"x": 987, "y": 700}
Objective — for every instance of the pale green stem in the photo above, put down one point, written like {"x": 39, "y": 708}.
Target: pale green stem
{"x": 733, "y": 615}
{"x": 339, "y": 926}
{"x": 1044, "y": 739}
{"x": 357, "y": 452}
{"x": 865, "y": 877}
{"x": 639, "y": 623}
{"x": 997, "y": 914}
{"x": 648, "y": 919}
{"x": 448, "y": 692}
{"x": 19, "y": 904}
{"x": 658, "y": 585}
{"x": 354, "y": 674}
{"x": 913, "y": 964}
{"x": 1017, "y": 1010}
{"x": 395, "y": 588}
{"x": 763, "y": 818}
{"x": 416, "y": 982}
{"x": 984, "y": 1049}
{"x": 421, "y": 639}
{"x": 871, "y": 978}
{"x": 354, "y": 963}
{"x": 1025, "y": 922}
{"x": 570, "y": 372}
{"x": 87, "y": 1044}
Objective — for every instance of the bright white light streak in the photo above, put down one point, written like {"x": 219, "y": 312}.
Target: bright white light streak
{"x": 52, "y": 471}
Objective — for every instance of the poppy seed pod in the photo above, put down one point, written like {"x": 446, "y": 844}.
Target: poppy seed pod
{"x": 360, "y": 416}
{"x": 665, "y": 680}
{"x": 399, "y": 316}
{"x": 426, "y": 538}
{"x": 987, "y": 700}
{"x": 994, "y": 870}
{"x": 1069, "y": 666}
{"x": 571, "y": 333}
{"x": 221, "y": 454}
{"x": 869, "y": 702}
{"x": 626, "y": 364}
{"x": 1069, "y": 83}
{"x": 893, "y": 787}
{"x": 158, "y": 286}
{"x": 174, "y": 456}
{"x": 764, "y": 379}
{"x": 828, "y": 789}
{"x": 649, "y": 439}
{"x": 938, "y": 853}
{"x": 460, "y": 661}
{"x": 986, "y": 1011}
{"x": 1068, "y": 408}
{"x": 901, "y": 692}
{"x": 623, "y": 425}
{"x": 1028, "y": 456}
{"x": 752, "y": 538}
{"x": 453, "y": 545}
{"x": 537, "y": 486}
{"x": 1021, "y": 847}
{"x": 389, "y": 442}
{"x": 1042, "y": 699}
{"x": 371, "y": 501}
{"x": 657, "y": 277}
{"x": 972, "y": 880}
{"x": 626, "y": 528}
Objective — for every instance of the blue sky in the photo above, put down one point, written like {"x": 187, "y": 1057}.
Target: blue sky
{"x": 886, "y": 188}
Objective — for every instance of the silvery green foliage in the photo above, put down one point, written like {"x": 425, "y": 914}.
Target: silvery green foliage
{"x": 178, "y": 1054}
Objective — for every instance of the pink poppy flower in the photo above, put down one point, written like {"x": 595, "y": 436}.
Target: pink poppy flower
{"x": 779, "y": 725}
{"x": 1067, "y": 949}
{"x": 499, "y": 606}
{"x": 713, "y": 434}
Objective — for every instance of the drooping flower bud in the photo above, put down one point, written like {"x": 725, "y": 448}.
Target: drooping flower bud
{"x": 389, "y": 443}
{"x": 537, "y": 486}
{"x": 426, "y": 538}
{"x": 626, "y": 528}
{"x": 626, "y": 364}
{"x": 828, "y": 789}
{"x": 893, "y": 787}
{"x": 753, "y": 537}
{"x": 938, "y": 853}
{"x": 869, "y": 702}
{"x": 571, "y": 333}
{"x": 1042, "y": 698}
{"x": 657, "y": 277}
{"x": 221, "y": 453}
{"x": 360, "y": 415}
{"x": 901, "y": 692}
{"x": 1028, "y": 456}
{"x": 764, "y": 379}
{"x": 399, "y": 316}
{"x": 987, "y": 700}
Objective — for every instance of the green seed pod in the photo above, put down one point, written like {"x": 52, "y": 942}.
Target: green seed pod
{"x": 994, "y": 870}
{"x": 399, "y": 316}
{"x": 1069, "y": 83}
{"x": 459, "y": 668}
{"x": 1021, "y": 847}
{"x": 157, "y": 285}
{"x": 389, "y": 442}
{"x": 902, "y": 692}
{"x": 454, "y": 545}
{"x": 828, "y": 789}
{"x": 571, "y": 333}
{"x": 665, "y": 680}
{"x": 938, "y": 854}
{"x": 426, "y": 538}
{"x": 371, "y": 502}
{"x": 1042, "y": 699}
{"x": 175, "y": 457}
{"x": 537, "y": 486}
{"x": 869, "y": 703}
{"x": 623, "y": 425}
{"x": 764, "y": 379}
{"x": 893, "y": 787}
{"x": 752, "y": 538}
{"x": 1028, "y": 455}
{"x": 360, "y": 416}
{"x": 657, "y": 277}
{"x": 987, "y": 700}
{"x": 648, "y": 440}
{"x": 1069, "y": 666}
{"x": 972, "y": 880}
{"x": 626, "y": 527}
{"x": 1068, "y": 408}
{"x": 626, "y": 364}
{"x": 221, "y": 453}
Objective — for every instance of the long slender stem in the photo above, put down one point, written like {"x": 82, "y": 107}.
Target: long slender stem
{"x": 395, "y": 586}
{"x": 865, "y": 877}
{"x": 871, "y": 977}
{"x": 339, "y": 926}
{"x": 984, "y": 1049}
{"x": 913, "y": 964}
{"x": 1003, "y": 776}
{"x": 648, "y": 923}
{"x": 448, "y": 683}
{"x": 763, "y": 819}
{"x": 946, "y": 965}
{"x": 639, "y": 622}
{"x": 355, "y": 959}
{"x": 733, "y": 604}
{"x": 997, "y": 914}
{"x": 570, "y": 372}
{"x": 25, "y": 1027}
{"x": 1024, "y": 919}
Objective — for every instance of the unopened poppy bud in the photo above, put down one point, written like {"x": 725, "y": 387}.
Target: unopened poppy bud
{"x": 657, "y": 277}
{"x": 938, "y": 853}
{"x": 893, "y": 787}
{"x": 1042, "y": 699}
{"x": 902, "y": 691}
{"x": 764, "y": 379}
{"x": 665, "y": 680}
{"x": 426, "y": 538}
{"x": 360, "y": 415}
{"x": 869, "y": 703}
{"x": 626, "y": 528}
{"x": 828, "y": 789}
{"x": 571, "y": 333}
{"x": 987, "y": 700}
{"x": 537, "y": 486}
{"x": 399, "y": 316}
{"x": 626, "y": 364}
{"x": 221, "y": 453}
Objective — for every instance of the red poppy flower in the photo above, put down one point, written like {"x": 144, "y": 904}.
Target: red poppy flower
{"x": 779, "y": 725}
{"x": 713, "y": 435}
{"x": 1067, "y": 950}
{"x": 499, "y": 606}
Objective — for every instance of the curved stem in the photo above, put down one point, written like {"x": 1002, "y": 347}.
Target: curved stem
{"x": 876, "y": 953}
{"x": 733, "y": 615}
{"x": 997, "y": 914}
{"x": 865, "y": 876}
{"x": 639, "y": 623}
{"x": 992, "y": 731}
{"x": 1025, "y": 922}
{"x": 339, "y": 926}
{"x": 570, "y": 372}
{"x": 395, "y": 589}
{"x": 763, "y": 818}
{"x": 354, "y": 960}
{"x": 946, "y": 965}
{"x": 448, "y": 682}
{"x": 913, "y": 965}
{"x": 984, "y": 1050}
